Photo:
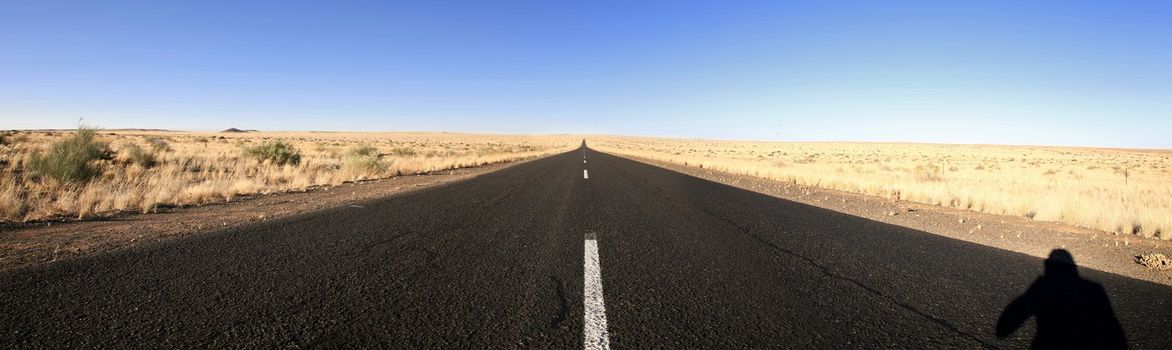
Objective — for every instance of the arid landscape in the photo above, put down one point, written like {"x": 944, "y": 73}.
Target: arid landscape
{"x": 90, "y": 173}
{"x": 87, "y": 174}
{"x": 585, "y": 175}
{"x": 1120, "y": 191}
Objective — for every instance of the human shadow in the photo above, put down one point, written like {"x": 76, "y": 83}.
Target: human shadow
{"x": 1072, "y": 313}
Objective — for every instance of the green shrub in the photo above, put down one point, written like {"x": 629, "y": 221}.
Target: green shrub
{"x": 364, "y": 160}
{"x": 278, "y": 152}
{"x": 142, "y": 157}
{"x": 70, "y": 160}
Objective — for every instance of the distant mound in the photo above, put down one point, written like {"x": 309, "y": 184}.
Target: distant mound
{"x": 233, "y": 130}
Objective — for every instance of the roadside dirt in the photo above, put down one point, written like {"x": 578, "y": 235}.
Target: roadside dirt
{"x": 26, "y": 244}
{"x": 1091, "y": 248}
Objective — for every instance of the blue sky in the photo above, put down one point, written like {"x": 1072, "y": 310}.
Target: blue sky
{"x": 1017, "y": 72}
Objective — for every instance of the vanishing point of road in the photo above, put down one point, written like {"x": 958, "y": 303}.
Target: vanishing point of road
{"x": 581, "y": 249}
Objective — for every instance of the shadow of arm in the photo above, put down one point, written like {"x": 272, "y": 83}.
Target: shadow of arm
{"x": 1014, "y": 315}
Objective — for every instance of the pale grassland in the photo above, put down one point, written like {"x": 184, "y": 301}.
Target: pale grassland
{"x": 142, "y": 171}
{"x": 1114, "y": 190}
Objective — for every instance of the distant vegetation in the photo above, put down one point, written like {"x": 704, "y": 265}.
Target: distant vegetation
{"x": 1120, "y": 191}
{"x": 85, "y": 173}
{"x": 403, "y": 151}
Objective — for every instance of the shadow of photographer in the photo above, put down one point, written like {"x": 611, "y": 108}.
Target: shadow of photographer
{"x": 1071, "y": 312}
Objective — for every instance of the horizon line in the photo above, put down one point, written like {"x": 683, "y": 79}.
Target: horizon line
{"x": 682, "y": 138}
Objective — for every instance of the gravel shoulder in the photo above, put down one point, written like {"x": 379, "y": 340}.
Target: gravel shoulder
{"x": 29, "y": 244}
{"x": 1098, "y": 250}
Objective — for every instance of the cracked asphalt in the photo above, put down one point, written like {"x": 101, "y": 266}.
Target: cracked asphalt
{"x": 497, "y": 262}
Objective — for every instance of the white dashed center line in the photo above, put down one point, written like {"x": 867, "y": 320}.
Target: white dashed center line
{"x": 585, "y": 175}
{"x": 594, "y": 331}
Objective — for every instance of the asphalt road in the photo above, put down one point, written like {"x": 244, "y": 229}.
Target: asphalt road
{"x": 498, "y": 262}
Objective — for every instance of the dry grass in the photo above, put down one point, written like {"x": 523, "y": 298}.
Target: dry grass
{"x": 1114, "y": 190}
{"x": 142, "y": 171}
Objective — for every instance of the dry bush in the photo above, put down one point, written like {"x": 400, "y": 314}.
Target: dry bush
{"x": 158, "y": 144}
{"x": 402, "y": 151}
{"x": 135, "y": 154}
{"x": 144, "y": 176}
{"x": 1114, "y": 190}
{"x": 12, "y": 137}
{"x": 1154, "y": 261}
{"x": 11, "y": 204}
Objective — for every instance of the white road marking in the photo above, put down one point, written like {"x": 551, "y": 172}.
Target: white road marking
{"x": 594, "y": 330}
{"x": 583, "y": 161}
{"x": 585, "y": 175}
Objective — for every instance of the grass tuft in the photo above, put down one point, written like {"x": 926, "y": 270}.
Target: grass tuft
{"x": 158, "y": 144}
{"x": 364, "y": 162}
{"x": 140, "y": 156}
{"x": 70, "y": 160}
{"x": 403, "y": 151}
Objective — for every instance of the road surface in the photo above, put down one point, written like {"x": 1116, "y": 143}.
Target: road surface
{"x": 504, "y": 260}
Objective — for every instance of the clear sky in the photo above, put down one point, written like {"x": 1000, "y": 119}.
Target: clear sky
{"x": 1021, "y": 72}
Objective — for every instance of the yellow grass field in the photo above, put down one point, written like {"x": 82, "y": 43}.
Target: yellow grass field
{"x": 142, "y": 170}
{"x": 1114, "y": 190}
